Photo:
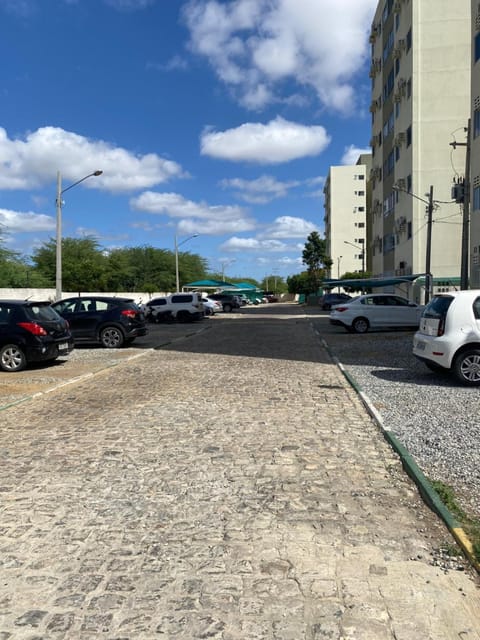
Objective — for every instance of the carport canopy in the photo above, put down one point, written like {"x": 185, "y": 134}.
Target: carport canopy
{"x": 371, "y": 283}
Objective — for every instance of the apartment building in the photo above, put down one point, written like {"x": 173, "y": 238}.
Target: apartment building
{"x": 420, "y": 72}
{"x": 475, "y": 151}
{"x": 346, "y": 203}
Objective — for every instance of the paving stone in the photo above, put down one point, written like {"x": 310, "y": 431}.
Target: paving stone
{"x": 230, "y": 485}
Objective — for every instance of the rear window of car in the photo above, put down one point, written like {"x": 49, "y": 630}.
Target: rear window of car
{"x": 437, "y": 307}
{"x": 41, "y": 312}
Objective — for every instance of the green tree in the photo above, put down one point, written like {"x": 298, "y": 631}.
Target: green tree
{"x": 83, "y": 264}
{"x": 315, "y": 257}
{"x": 299, "y": 283}
{"x": 355, "y": 275}
{"x": 274, "y": 283}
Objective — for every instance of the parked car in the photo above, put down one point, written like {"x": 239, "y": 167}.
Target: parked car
{"x": 211, "y": 306}
{"x": 31, "y": 332}
{"x": 184, "y": 307}
{"x": 448, "y": 338}
{"x": 330, "y": 299}
{"x": 111, "y": 321}
{"x": 229, "y": 302}
{"x": 376, "y": 311}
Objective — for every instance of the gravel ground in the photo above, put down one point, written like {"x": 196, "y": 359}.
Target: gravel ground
{"x": 436, "y": 418}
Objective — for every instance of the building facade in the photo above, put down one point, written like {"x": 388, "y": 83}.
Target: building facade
{"x": 420, "y": 71}
{"x": 346, "y": 203}
{"x": 475, "y": 151}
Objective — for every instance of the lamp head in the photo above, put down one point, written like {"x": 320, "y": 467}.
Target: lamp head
{"x": 97, "y": 173}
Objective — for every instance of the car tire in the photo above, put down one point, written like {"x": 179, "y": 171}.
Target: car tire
{"x": 12, "y": 358}
{"x": 360, "y": 325}
{"x": 466, "y": 367}
{"x": 227, "y": 307}
{"x": 184, "y": 316}
{"x": 112, "y": 337}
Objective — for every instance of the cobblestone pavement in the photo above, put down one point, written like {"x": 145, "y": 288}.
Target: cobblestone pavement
{"x": 228, "y": 486}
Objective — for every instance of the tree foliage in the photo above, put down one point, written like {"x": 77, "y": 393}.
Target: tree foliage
{"x": 317, "y": 261}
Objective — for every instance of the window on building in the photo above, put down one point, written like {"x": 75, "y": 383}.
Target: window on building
{"x": 409, "y": 40}
{"x": 397, "y": 154}
{"x": 397, "y": 109}
{"x": 397, "y": 21}
{"x": 360, "y": 225}
{"x": 359, "y": 193}
{"x": 388, "y": 45}
{"x": 476, "y": 123}
{"x": 409, "y": 88}
{"x": 409, "y": 230}
{"x": 361, "y": 209}
{"x": 397, "y": 67}
{"x": 476, "y": 199}
{"x": 409, "y": 183}
{"x": 409, "y": 136}
{"x": 477, "y": 47}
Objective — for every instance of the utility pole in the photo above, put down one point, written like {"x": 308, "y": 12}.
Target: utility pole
{"x": 428, "y": 250}
{"x": 464, "y": 262}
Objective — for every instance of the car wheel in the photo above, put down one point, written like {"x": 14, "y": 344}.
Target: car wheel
{"x": 111, "y": 337}
{"x": 12, "y": 358}
{"x": 227, "y": 307}
{"x": 183, "y": 316}
{"x": 360, "y": 325}
{"x": 466, "y": 367}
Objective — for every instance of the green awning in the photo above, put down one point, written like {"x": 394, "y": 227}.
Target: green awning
{"x": 208, "y": 284}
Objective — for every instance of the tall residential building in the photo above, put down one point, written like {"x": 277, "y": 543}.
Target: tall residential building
{"x": 475, "y": 151}
{"x": 346, "y": 203}
{"x": 420, "y": 72}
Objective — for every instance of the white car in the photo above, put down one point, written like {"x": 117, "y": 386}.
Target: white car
{"x": 448, "y": 338}
{"x": 376, "y": 311}
{"x": 211, "y": 306}
{"x": 184, "y": 307}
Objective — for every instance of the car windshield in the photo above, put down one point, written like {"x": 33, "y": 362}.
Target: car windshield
{"x": 438, "y": 307}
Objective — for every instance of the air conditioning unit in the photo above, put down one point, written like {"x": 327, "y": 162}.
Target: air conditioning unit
{"x": 400, "y": 139}
{"x": 397, "y": 52}
{"x": 401, "y": 44}
{"x": 402, "y": 85}
{"x": 400, "y": 183}
{"x": 397, "y": 97}
{"x": 397, "y": 6}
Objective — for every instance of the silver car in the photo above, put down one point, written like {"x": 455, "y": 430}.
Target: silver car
{"x": 376, "y": 311}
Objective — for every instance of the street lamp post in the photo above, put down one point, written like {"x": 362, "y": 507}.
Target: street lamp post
{"x": 179, "y": 244}
{"x": 58, "y": 248}
{"x": 428, "y": 247}
{"x": 338, "y": 270}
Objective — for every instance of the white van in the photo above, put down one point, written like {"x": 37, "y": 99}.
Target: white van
{"x": 184, "y": 307}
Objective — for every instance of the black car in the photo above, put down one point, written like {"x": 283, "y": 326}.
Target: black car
{"x": 331, "y": 299}
{"x": 228, "y": 302}
{"x": 111, "y": 321}
{"x": 31, "y": 332}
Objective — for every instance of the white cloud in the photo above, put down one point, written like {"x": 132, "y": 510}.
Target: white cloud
{"x": 289, "y": 227}
{"x": 272, "y": 143}
{"x": 25, "y": 222}
{"x": 195, "y": 217}
{"x": 33, "y": 161}
{"x": 256, "y": 45}
{"x": 352, "y": 154}
{"x": 260, "y": 191}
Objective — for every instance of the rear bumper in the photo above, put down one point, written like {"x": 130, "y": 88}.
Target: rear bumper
{"x": 49, "y": 350}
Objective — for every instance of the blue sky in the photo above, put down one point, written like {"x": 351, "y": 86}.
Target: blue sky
{"x": 208, "y": 117}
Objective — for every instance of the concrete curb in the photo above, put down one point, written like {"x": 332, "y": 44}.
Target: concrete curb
{"x": 427, "y": 492}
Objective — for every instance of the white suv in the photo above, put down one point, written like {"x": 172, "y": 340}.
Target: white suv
{"x": 449, "y": 335}
{"x": 184, "y": 307}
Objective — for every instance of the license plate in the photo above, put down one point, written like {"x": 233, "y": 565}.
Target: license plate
{"x": 420, "y": 346}
{"x": 63, "y": 346}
